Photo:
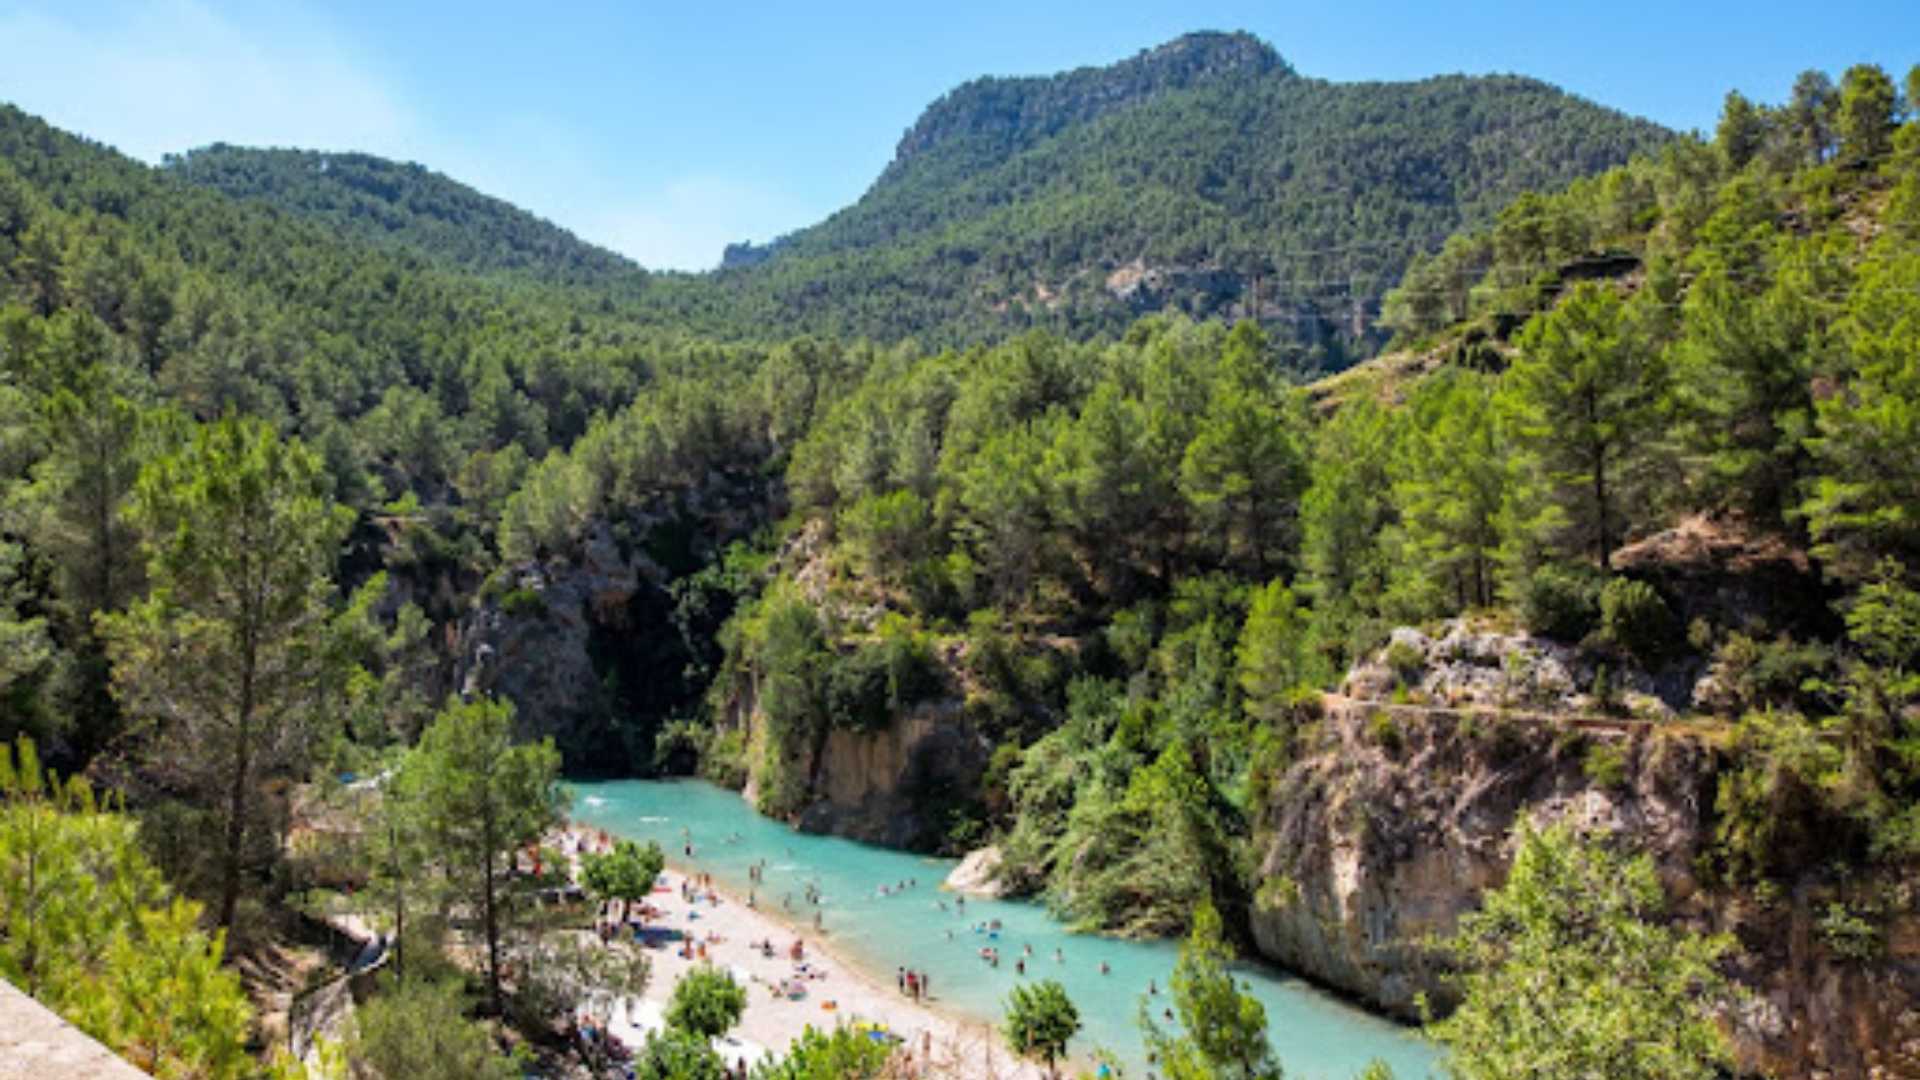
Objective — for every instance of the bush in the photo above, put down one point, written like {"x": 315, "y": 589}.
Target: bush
{"x": 1384, "y": 730}
{"x": 1634, "y": 618}
{"x": 1561, "y": 601}
{"x": 1605, "y": 764}
{"x": 1755, "y": 674}
{"x": 523, "y": 602}
{"x": 1406, "y": 661}
{"x": 854, "y": 690}
{"x": 724, "y": 760}
{"x": 1849, "y": 935}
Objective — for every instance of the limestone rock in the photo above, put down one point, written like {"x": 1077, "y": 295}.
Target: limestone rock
{"x": 978, "y": 874}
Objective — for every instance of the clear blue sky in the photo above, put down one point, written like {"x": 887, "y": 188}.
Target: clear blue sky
{"x": 665, "y": 130}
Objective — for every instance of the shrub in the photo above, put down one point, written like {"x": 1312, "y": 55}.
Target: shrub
{"x": 1406, "y": 661}
{"x": 1561, "y": 601}
{"x": 854, "y": 690}
{"x": 1605, "y": 764}
{"x": 1754, "y": 674}
{"x": 1849, "y": 935}
{"x": 523, "y": 602}
{"x": 1383, "y": 730}
{"x": 1633, "y": 617}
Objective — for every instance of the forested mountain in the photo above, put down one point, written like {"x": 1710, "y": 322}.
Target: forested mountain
{"x": 1204, "y": 176}
{"x": 405, "y": 205}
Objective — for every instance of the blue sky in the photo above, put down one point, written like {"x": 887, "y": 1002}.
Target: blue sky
{"x": 666, "y": 130}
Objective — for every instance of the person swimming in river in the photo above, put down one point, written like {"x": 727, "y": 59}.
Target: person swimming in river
{"x": 1104, "y": 969}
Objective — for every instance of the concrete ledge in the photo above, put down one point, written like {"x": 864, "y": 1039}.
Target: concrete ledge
{"x": 35, "y": 1044}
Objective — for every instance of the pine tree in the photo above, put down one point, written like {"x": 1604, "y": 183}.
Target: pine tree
{"x": 481, "y": 798}
{"x": 1864, "y": 118}
{"x": 1449, "y": 485}
{"x": 1583, "y": 400}
{"x": 1570, "y": 963}
{"x": 1742, "y": 131}
{"x": 233, "y": 655}
{"x": 1223, "y": 1031}
{"x": 1865, "y": 502}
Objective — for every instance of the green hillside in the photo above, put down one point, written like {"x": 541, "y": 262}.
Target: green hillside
{"x": 405, "y": 205}
{"x": 1204, "y": 176}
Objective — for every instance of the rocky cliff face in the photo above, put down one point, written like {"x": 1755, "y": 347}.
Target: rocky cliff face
{"x": 531, "y": 643}
{"x": 1397, "y": 819}
{"x": 894, "y": 786}
{"x": 584, "y": 642}
{"x": 1020, "y": 112}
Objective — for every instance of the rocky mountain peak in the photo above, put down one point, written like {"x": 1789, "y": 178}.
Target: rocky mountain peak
{"x": 1018, "y": 112}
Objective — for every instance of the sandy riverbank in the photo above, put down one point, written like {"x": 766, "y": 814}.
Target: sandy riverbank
{"x": 958, "y": 1046}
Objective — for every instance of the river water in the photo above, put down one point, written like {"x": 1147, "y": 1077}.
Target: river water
{"x": 1315, "y": 1035}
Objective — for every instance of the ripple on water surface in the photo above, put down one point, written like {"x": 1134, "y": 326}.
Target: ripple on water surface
{"x": 914, "y": 923}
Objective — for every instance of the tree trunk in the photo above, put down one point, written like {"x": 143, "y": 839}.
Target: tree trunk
{"x": 1600, "y": 510}
{"x": 492, "y": 923}
{"x": 236, "y": 833}
{"x": 399, "y": 907}
{"x": 237, "y": 801}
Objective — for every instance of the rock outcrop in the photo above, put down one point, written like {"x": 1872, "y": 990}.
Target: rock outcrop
{"x": 530, "y": 642}
{"x": 979, "y": 874}
{"x": 893, "y": 786}
{"x": 1396, "y": 818}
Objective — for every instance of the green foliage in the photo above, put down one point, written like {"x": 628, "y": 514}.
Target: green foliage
{"x": 1274, "y": 662}
{"x": 1635, "y": 618}
{"x": 233, "y": 651}
{"x": 1864, "y": 119}
{"x": 1039, "y": 1021}
{"x": 1223, "y": 1032}
{"x": 678, "y": 1055}
{"x": 1583, "y": 396}
{"x": 1570, "y": 961}
{"x": 481, "y": 797}
{"x": 1562, "y": 601}
{"x": 845, "y": 1053}
{"x": 403, "y": 206}
{"x": 1605, "y": 763}
{"x": 1450, "y": 481}
{"x": 625, "y": 873}
{"x": 1862, "y": 503}
{"x": 1001, "y": 209}
{"x": 89, "y": 927}
{"x": 706, "y": 1002}
{"x": 523, "y": 603}
{"x": 418, "y": 1028}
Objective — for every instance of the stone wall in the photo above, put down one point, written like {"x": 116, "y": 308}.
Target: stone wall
{"x": 37, "y": 1045}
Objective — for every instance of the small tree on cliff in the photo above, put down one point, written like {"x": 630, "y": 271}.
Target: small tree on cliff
{"x": 1572, "y": 973}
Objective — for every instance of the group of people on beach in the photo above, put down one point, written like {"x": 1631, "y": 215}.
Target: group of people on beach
{"x": 914, "y": 984}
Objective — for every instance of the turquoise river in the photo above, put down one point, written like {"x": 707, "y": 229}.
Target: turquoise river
{"x": 1315, "y": 1035}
